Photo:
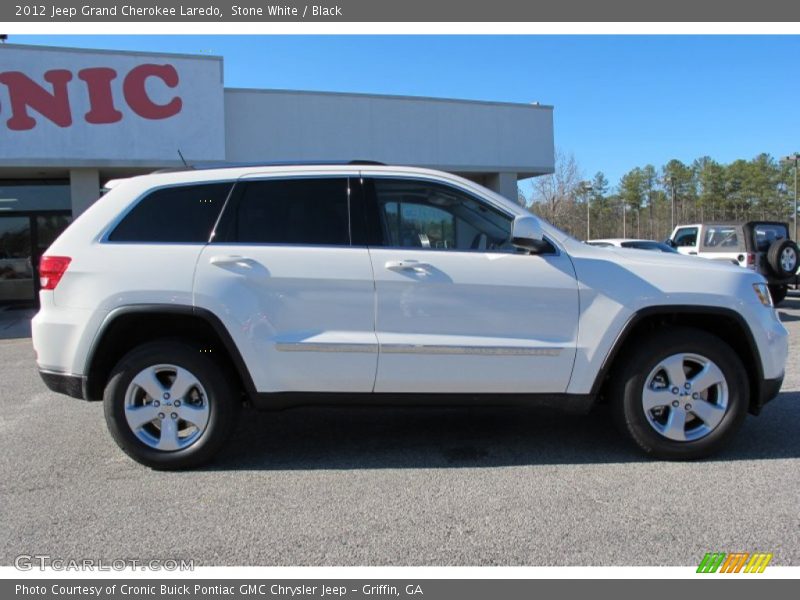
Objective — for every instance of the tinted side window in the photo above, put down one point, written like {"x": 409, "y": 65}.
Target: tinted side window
{"x": 412, "y": 224}
{"x": 174, "y": 214}
{"x": 289, "y": 211}
{"x": 420, "y": 214}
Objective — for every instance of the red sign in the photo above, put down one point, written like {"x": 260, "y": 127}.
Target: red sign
{"x": 54, "y": 104}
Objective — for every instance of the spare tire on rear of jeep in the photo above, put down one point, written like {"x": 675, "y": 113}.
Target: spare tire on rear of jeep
{"x": 782, "y": 258}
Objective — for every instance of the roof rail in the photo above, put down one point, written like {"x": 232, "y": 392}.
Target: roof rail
{"x": 284, "y": 163}
{"x": 173, "y": 170}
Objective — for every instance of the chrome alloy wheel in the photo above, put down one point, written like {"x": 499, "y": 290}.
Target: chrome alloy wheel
{"x": 166, "y": 407}
{"x": 685, "y": 397}
{"x": 789, "y": 260}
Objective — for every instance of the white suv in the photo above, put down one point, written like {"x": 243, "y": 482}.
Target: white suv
{"x": 179, "y": 296}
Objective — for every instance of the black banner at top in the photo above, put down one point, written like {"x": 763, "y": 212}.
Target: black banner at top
{"x": 401, "y": 11}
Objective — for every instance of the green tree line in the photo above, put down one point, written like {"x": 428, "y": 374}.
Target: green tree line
{"x": 650, "y": 200}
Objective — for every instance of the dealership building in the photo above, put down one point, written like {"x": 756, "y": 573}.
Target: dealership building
{"x": 71, "y": 119}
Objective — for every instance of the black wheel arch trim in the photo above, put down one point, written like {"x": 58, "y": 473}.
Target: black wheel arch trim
{"x": 756, "y": 399}
{"x": 178, "y": 309}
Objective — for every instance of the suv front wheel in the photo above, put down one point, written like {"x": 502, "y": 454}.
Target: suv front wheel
{"x": 169, "y": 406}
{"x": 681, "y": 394}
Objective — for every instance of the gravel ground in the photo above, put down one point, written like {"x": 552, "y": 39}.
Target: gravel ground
{"x": 394, "y": 487}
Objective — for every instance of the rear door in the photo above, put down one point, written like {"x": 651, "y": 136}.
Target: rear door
{"x": 459, "y": 310}
{"x": 293, "y": 290}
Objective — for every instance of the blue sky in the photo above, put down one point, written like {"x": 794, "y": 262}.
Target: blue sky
{"x": 620, "y": 101}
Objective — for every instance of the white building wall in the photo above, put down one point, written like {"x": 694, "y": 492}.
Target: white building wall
{"x": 452, "y": 135}
{"x": 193, "y": 101}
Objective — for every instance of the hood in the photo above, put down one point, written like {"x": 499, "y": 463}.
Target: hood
{"x": 649, "y": 257}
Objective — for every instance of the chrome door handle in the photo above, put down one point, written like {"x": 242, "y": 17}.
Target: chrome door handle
{"x": 407, "y": 265}
{"x": 230, "y": 259}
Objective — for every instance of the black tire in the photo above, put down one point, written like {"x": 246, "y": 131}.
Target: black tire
{"x": 223, "y": 402}
{"x": 628, "y": 383}
{"x": 778, "y": 293}
{"x": 776, "y": 251}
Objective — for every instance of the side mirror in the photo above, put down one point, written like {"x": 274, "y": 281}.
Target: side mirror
{"x": 669, "y": 242}
{"x": 526, "y": 233}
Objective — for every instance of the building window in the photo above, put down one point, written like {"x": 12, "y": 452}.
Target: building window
{"x": 27, "y": 196}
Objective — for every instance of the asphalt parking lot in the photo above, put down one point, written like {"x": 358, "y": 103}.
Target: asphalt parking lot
{"x": 394, "y": 487}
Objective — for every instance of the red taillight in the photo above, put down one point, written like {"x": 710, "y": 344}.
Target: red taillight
{"x": 751, "y": 259}
{"x": 51, "y": 270}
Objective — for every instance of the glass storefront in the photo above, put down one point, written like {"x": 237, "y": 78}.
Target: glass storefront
{"x": 32, "y": 215}
{"x": 16, "y": 269}
{"x": 34, "y": 195}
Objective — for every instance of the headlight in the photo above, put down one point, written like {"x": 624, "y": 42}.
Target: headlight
{"x": 762, "y": 291}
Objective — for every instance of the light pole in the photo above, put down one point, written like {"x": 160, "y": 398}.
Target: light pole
{"x": 672, "y": 220}
{"x": 624, "y": 219}
{"x": 586, "y": 188}
{"x": 793, "y": 159}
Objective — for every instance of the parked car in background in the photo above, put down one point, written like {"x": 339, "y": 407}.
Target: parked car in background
{"x": 633, "y": 243}
{"x": 761, "y": 246}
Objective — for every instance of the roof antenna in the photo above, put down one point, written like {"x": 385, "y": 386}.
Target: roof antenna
{"x": 185, "y": 164}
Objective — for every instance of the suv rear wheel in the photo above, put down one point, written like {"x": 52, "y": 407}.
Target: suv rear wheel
{"x": 168, "y": 406}
{"x": 681, "y": 394}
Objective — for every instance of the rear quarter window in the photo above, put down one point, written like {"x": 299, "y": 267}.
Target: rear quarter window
{"x": 182, "y": 214}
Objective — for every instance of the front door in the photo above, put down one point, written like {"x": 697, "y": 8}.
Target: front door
{"x": 459, "y": 310}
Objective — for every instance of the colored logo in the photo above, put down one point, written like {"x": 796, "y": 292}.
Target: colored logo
{"x": 737, "y": 562}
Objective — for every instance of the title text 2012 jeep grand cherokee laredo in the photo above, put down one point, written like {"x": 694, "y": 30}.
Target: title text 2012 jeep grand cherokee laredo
{"x": 179, "y": 296}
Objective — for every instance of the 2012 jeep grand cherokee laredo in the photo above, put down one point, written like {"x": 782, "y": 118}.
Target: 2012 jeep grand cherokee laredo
{"x": 179, "y": 296}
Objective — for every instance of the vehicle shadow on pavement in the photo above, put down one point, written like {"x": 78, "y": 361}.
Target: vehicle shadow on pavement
{"x": 389, "y": 438}
{"x": 15, "y": 323}
{"x": 793, "y": 303}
